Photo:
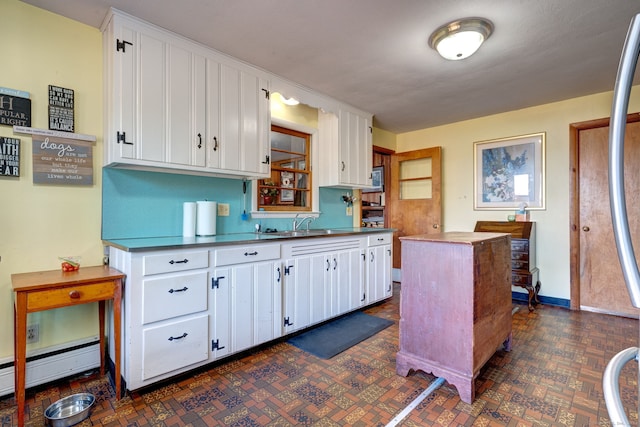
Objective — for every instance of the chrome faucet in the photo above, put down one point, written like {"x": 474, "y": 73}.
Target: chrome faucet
{"x": 297, "y": 225}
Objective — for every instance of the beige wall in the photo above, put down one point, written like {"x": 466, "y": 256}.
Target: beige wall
{"x": 42, "y": 222}
{"x": 553, "y": 223}
{"x": 384, "y": 139}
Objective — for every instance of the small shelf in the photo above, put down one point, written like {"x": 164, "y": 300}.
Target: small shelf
{"x": 377, "y": 216}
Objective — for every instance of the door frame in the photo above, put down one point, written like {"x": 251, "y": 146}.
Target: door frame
{"x": 574, "y": 201}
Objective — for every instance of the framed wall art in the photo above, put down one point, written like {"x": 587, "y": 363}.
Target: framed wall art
{"x": 377, "y": 180}
{"x": 509, "y": 173}
{"x": 286, "y": 181}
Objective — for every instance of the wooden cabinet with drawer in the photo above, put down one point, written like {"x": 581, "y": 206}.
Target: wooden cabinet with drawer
{"x": 524, "y": 272}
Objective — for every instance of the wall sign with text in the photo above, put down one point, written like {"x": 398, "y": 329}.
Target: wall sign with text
{"x": 62, "y": 161}
{"x": 15, "y": 107}
{"x": 9, "y": 156}
{"x": 61, "y": 102}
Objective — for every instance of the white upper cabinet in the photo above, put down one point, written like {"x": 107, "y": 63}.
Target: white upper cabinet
{"x": 346, "y": 149}
{"x": 239, "y": 121}
{"x": 175, "y": 105}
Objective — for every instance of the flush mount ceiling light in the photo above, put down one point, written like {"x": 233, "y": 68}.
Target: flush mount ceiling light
{"x": 460, "y": 39}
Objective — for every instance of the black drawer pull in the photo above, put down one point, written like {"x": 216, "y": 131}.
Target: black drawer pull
{"x": 178, "y": 338}
{"x": 184, "y": 261}
{"x": 178, "y": 290}
{"x": 251, "y": 253}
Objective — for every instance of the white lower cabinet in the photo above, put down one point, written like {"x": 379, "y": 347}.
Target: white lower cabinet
{"x": 306, "y": 295}
{"x": 246, "y": 284}
{"x": 346, "y": 278}
{"x": 323, "y": 279}
{"x": 184, "y": 308}
{"x": 247, "y": 307}
{"x": 379, "y": 255}
{"x": 165, "y": 313}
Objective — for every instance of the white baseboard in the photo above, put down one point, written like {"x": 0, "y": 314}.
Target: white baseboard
{"x": 59, "y": 365}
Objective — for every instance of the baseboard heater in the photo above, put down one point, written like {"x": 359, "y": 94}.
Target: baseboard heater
{"x": 52, "y": 363}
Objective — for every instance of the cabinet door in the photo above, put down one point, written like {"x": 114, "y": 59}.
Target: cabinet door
{"x": 358, "y": 288}
{"x": 379, "y": 273}
{"x": 346, "y": 162}
{"x": 244, "y": 143}
{"x": 122, "y": 45}
{"x": 345, "y": 276}
{"x": 220, "y": 294}
{"x": 307, "y": 291}
{"x": 158, "y": 98}
{"x": 213, "y": 99}
{"x": 351, "y": 148}
{"x": 355, "y": 148}
{"x": 256, "y": 144}
{"x": 255, "y": 305}
{"x": 296, "y": 313}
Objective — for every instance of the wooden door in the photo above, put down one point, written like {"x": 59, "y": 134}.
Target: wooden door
{"x": 414, "y": 200}
{"x": 597, "y": 281}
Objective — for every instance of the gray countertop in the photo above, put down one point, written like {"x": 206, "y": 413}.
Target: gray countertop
{"x": 179, "y": 242}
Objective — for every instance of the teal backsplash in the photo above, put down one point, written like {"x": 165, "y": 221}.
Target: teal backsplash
{"x": 149, "y": 204}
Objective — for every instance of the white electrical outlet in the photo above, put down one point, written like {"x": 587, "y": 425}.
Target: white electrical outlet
{"x": 223, "y": 209}
{"x": 33, "y": 333}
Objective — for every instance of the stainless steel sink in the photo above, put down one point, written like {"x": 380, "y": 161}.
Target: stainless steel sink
{"x": 306, "y": 233}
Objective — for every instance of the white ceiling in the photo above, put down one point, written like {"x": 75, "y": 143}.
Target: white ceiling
{"x": 374, "y": 55}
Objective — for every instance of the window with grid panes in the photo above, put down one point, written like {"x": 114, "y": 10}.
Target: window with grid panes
{"x": 289, "y": 188}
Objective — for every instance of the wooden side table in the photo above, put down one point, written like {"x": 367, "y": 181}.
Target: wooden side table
{"x": 45, "y": 290}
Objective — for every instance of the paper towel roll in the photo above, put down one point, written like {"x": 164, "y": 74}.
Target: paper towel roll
{"x": 206, "y": 218}
{"x": 189, "y": 219}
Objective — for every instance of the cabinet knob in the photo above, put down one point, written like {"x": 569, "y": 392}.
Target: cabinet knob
{"x": 585, "y": 228}
{"x": 74, "y": 294}
{"x": 436, "y": 226}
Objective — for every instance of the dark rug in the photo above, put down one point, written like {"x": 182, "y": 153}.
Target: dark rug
{"x": 325, "y": 341}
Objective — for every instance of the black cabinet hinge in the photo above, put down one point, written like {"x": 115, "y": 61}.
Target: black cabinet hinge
{"x": 266, "y": 160}
{"x": 215, "y": 345}
{"x": 121, "y": 138}
{"x": 287, "y": 322}
{"x": 215, "y": 282}
{"x": 267, "y": 94}
{"x": 121, "y": 45}
{"x": 287, "y": 269}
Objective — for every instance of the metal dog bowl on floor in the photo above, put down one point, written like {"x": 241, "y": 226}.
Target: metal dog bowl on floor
{"x": 69, "y": 410}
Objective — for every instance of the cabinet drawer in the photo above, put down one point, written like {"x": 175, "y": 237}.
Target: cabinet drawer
{"x": 176, "y": 261}
{"x": 520, "y": 256}
{"x": 518, "y": 245}
{"x": 174, "y": 346}
{"x": 521, "y": 279}
{"x": 167, "y": 297}
{"x": 70, "y": 295}
{"x": 520, "y": 265}
{"x": 379, "y": 239}
{"x": 243, "y": 254}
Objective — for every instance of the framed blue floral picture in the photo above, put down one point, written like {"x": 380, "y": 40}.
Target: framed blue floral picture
{"x": 509, "y": 173}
